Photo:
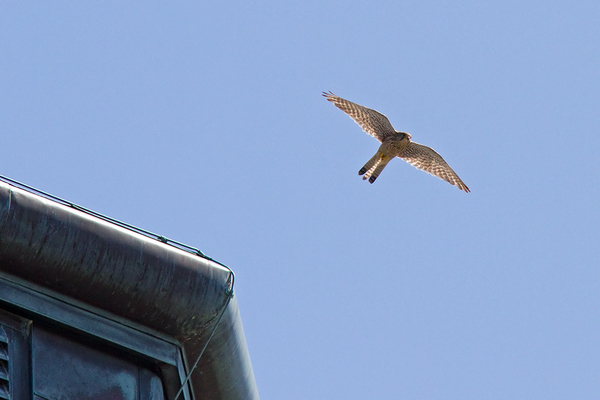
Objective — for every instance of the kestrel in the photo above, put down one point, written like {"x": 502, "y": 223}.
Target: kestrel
{"x": 394, "y": 144}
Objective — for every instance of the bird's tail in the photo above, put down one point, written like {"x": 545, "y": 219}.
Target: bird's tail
{"x": 374, "y": 166}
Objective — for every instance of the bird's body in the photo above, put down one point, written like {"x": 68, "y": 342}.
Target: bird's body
{"x": 394, "y": 144}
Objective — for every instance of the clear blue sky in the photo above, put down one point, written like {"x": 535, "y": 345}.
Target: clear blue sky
{"x": 204, "y": 122}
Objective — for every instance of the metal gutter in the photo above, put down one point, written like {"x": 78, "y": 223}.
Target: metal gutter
{"x": 133, "y": 276}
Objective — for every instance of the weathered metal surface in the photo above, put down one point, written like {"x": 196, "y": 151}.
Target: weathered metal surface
{"x": 133, "y": 277}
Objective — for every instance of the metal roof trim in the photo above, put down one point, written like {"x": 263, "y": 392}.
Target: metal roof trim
{"x": 134, "y": 277}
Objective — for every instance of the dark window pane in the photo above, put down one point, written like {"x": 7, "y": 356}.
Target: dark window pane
{"x": 68, "y": 369}
{"x": 150, "y": 386}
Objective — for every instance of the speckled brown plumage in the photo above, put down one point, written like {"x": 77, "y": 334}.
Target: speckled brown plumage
{"x": 394, "y": 144}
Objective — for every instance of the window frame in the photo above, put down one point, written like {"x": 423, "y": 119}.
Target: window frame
{"x": 29, "y": 303}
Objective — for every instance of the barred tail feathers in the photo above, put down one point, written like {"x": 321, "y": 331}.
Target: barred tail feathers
{"x": 378, "y": 170}
{"x": 374, "y": 166}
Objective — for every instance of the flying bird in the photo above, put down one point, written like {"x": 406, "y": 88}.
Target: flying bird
{"x": 394, "y": 144}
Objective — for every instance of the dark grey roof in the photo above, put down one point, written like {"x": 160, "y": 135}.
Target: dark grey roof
{"x": 133, "y": 277}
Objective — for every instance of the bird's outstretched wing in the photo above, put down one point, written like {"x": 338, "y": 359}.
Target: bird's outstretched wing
{"x": 374, "y": 123}
{"x": 428, "y": 160}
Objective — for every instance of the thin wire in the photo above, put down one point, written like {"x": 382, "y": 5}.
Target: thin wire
{"x": 189, "y": 375}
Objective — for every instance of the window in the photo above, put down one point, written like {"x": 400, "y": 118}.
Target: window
{"x": 59, "y": 364}
{"x": 66, "y": 368}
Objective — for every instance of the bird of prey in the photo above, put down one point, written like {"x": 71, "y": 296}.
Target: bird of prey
{"x": 394, "y": 144}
